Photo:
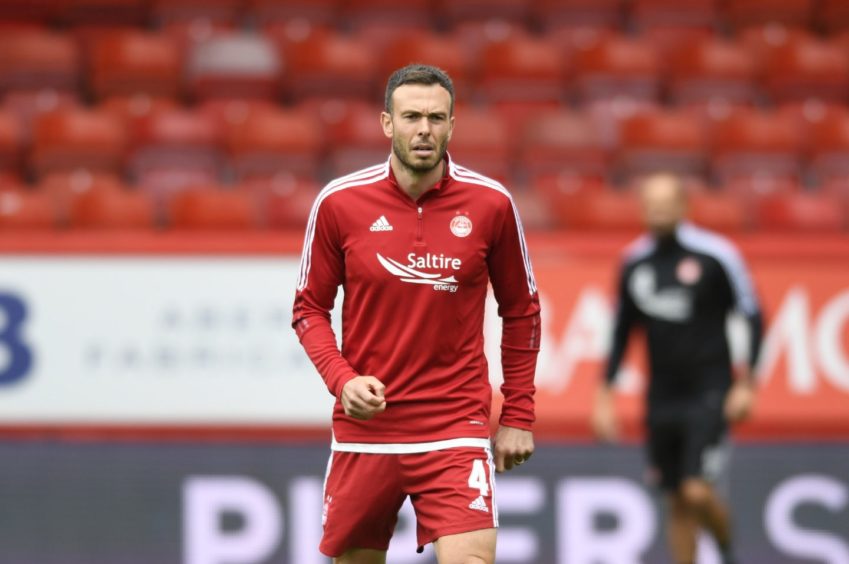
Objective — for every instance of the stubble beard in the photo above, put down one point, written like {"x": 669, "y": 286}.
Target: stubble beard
{"x": 418, "y": 169}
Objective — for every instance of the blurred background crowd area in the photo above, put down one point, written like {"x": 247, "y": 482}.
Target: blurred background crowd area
{"x": 214, "y": 114}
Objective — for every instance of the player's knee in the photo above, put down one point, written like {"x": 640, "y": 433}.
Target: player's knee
{"x": 471, "y": 557}
{"x": 695, "y": 493}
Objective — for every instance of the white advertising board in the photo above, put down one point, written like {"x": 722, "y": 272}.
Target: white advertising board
{"x": 153, "y": 340}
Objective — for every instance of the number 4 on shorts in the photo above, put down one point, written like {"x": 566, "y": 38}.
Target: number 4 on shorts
{"x": 477, "y": 479}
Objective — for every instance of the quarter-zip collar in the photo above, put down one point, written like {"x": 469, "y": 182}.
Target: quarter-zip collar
{"x": 436, "y": 188}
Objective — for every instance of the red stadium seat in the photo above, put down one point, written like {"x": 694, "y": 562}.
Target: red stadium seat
{"x": 77, "y": 139}
{"x": 234, "y": 65}
{"x": 721, "y": 211}
{"x": 669, "y": 24}
{"x": 36, "y": 60}
{"x": 387, "y": 18}
{"x": 226, "y": 11}
{"x": 443, "y": 51}
{"x": 26, "y": 210}
{"x": 743, "y": 13}
{"x": 132, "y": 109}
{"x": 285, "y": 200}
{"x": 27, "y": 12}
{"x": 103, "y": 12}
{"x": 672, "y": 141}
{"x": 457, "y": 11}
{"x": 188, "y": 33}
{"x": 692, "y": 14}
{"x": 11, "y": 143}
{"x": 562, "y": 140}
{"x": 125, "y": 64}
{"x": 65, "y": 187}
{"x": 711, "y": 70}
{"x": 10, "y": 182}
{"x": 274, "y": 141}
{"x": 829, "y": 146}
{"x": 557, "y": 14}
{"x": 762, "y": 40}
{"x": 601, "y": 210}
{"x": 804, "y": 68}
{"x": 757, "y": 148}
{"x": 28, "y": 105}
{"x": 108, "y": 207}
{"x": 616, "y": 67}
{"x": 558, "y": 190}
{"x": 173, "y": 149}
{"x": 213, "y": 208}
{"x": 521, "y": 69}
{"x": 354, "y": 136}
{"x": 330, "y": 66}
{"x": 481, "y": 142}
{"x": 229, "y": 113}
{"x": 801, "y": 212}
{"x": 268, "y": 12}
{"x": 476, "y": 35}
{"x": 833, "y": 15}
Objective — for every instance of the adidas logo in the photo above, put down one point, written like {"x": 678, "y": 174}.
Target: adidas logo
{"x": 479, "y": 505}
{"x": 381, "y": 225}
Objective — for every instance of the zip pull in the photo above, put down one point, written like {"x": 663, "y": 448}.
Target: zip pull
{"x": 419, "y": 228}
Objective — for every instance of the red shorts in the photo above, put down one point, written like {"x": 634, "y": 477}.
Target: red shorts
{"x": 451, "y": 491}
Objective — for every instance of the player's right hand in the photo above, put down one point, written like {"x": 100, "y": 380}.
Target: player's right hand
{"x": 362, "y": 397}
{"x": 604, "y": 421}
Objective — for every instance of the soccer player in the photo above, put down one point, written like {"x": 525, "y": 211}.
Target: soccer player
{"x": 679, "y": 282}
{"x": 414, "y": 242}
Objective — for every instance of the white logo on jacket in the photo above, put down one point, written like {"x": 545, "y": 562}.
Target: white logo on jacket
{"x": 381, "y": 224}
{"x": 461, "y": 226}
{"x": 411, "y": 274}
{"x": 670, "y": 304}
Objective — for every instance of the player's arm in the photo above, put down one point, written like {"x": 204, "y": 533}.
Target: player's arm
{"x": 740, "y": 400}
{"x": 604, "y": 421}
{"x": 321, "y": 274}
{"x": 518, "y": 306}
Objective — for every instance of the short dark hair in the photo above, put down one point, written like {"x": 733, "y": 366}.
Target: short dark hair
{"x": 417, "y": 74}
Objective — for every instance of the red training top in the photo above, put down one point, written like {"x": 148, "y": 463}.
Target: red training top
{"x": 415, "y": 276}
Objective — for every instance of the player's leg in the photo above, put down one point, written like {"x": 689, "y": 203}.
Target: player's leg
{"x": 682, "y": 528}
{"x": 710, "y": 510}
{"x": 706, "y": 456}
{"x": 665, "y": 448}
{"x": 360, "y": 512}
{"x": 453, "y": 493}
{"x": 362, "y": 556}
{"x": 473, "y": 547}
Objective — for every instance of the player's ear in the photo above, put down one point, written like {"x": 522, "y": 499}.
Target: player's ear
{"x": 386, "y": 124}
{"x": 450, "y": 127}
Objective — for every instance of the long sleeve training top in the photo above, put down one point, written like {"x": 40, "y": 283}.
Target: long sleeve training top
{"x": 415, "y": 277}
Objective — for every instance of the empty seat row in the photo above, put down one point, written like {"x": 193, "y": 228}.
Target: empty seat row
{"x": 163, "y": 147}
{"x": 565, "y": 201}
{"x": 364, "y": 13}
{"x": 762, "y": 64}
{"x": 559, "y": 201}
{"x": 103, "y": 202}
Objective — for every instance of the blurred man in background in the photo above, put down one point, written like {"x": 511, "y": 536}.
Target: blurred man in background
{"x": 414, "y": 243}
{"x": 679, "y": 283}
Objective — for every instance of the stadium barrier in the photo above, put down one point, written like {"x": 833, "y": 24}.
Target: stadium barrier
{"x": 158, "y": 335}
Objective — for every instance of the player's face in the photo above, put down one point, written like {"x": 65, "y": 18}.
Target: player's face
{"x": 420, "y": 125}
{"x": 663, "y": 203}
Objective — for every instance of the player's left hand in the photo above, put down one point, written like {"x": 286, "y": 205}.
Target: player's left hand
{"x": 739, "y": 401}
{"x": 511, "y": 447}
